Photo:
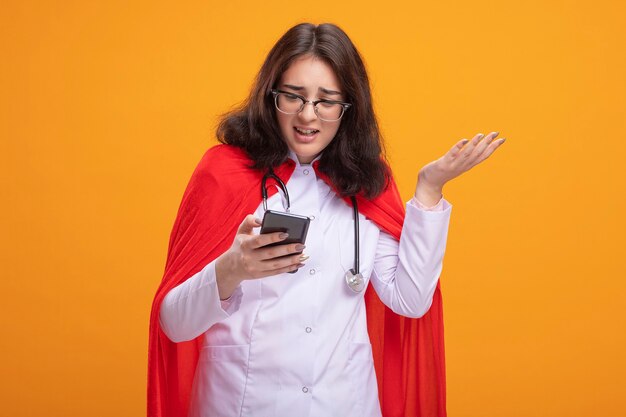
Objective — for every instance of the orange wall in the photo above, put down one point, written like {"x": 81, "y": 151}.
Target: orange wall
{"x": 107, "y": 106}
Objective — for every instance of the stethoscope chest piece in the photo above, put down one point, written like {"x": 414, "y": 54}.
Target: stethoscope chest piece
{"x": 355, "y": 281}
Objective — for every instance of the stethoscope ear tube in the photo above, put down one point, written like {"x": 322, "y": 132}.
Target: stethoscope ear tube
{"x": 281, "y": 184}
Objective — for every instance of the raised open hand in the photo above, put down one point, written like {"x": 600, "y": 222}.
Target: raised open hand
{"x": 461, "y": 158}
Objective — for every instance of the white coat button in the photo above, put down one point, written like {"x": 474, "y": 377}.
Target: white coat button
{"x": 305, "y": 389}
{"x": 308, "y": 330}
{"x": 305, "y": 172}
{"x": 312, "y": 271}
{"x": 312, "y": 217}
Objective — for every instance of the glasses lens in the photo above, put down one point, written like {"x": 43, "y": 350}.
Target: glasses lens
{"x": 329, "y": 111}
{"x": 288, "y": 103}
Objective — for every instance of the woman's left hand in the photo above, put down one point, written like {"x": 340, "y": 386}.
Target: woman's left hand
{"x": 461, "y": 158}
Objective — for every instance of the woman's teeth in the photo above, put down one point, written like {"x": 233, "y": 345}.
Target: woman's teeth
{"x": 306, "y": 131}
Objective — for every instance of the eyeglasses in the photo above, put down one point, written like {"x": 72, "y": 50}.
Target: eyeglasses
{"x": 327, "y": 110}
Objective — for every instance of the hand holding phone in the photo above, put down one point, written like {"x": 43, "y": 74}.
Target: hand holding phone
{"x": 247, "y": 257}
{"x": 294, "y": 225}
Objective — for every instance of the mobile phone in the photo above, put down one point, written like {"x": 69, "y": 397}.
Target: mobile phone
{"x": 295, "y": 225}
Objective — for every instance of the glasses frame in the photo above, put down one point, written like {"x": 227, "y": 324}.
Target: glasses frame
{"x": 344, "y": 106}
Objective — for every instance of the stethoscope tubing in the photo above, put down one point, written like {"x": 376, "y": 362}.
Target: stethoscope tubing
{"x": 270, "y": 174}
{"x": 356, "y": 235}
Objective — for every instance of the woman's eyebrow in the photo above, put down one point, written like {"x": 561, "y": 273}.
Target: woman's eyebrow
{"x": 293, "y": 87}
{"x": 322, "y": 89}
{"x": 329, "y": 92}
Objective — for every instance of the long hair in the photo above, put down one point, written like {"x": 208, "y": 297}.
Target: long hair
{"x": 354, "y": 159}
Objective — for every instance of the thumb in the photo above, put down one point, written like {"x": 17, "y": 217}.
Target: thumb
{"x": 248, "y": 224}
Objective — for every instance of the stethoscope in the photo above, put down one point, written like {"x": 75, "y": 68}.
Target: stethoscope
{"x": 353, "y": 277}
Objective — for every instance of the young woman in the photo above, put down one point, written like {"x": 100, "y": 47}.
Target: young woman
{"x": 240, "y": 328}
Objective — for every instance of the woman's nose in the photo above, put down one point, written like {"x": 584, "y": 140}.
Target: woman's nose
{"x": 308, "y": 112}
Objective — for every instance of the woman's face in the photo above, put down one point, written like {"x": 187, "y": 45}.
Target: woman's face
{"x": 305, "y": 134}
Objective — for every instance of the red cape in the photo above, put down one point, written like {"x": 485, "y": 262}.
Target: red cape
{"x": 408, "y": 353}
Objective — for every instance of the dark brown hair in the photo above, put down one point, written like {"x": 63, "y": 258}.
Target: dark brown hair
{"x": 354, "y": 159}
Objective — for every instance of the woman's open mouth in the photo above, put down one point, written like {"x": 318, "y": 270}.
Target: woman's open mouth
{"x": 305, "y": 135}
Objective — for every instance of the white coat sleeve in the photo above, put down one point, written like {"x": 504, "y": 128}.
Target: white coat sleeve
{"x": 191, "y": 308}
{"x": 406, "y": 273}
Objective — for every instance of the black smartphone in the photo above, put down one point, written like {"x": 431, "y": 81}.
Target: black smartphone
{"x": 295, "y": 225}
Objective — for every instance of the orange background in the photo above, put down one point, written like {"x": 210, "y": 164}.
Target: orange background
{"x": 107, "y": 106}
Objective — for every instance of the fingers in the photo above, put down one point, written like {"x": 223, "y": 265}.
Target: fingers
{"x": 463, "y": 151}
{"x": 265, "y": 239}
{"x": 263, "y": 253}
{"x": 278, "y": 251}
{"x": 456, "y": 149}
{"x": 480, "y": 148}
{"x": 471, "y": 146}
{"x": 248, "y": 224}
{"x": 257, "y": 265}
{"x": 257, "y": 241}
{"x": 271, "y": 266}
{"x": 476, "y": 147}
{"x": 286, "y": 269}
{"x": 489, "y": 150}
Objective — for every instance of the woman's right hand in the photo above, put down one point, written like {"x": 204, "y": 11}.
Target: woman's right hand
{"x": 247, "y": 258}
